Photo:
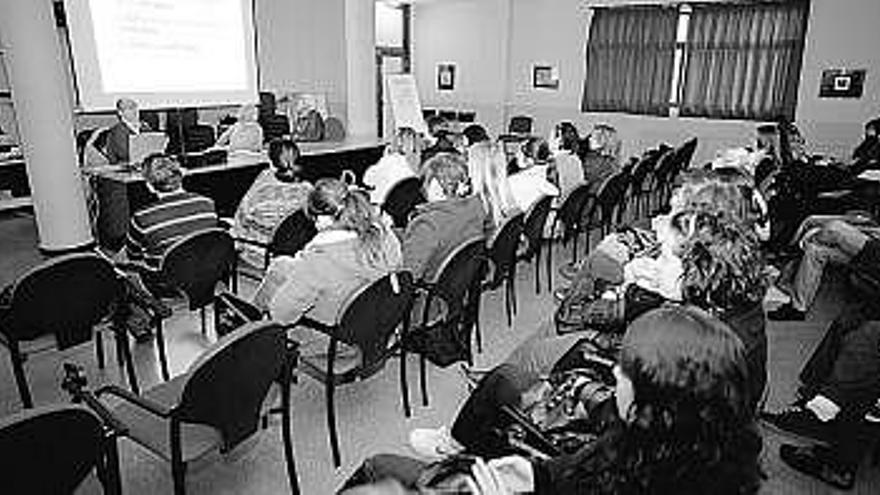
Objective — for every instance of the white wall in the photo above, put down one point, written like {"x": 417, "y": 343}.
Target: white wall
{"x": 840, "y": 34}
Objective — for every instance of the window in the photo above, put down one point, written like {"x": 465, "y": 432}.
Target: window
{"x": 717, "y": 60}
{"x": 630, "y": 57}
{"x": 744, "y": 60}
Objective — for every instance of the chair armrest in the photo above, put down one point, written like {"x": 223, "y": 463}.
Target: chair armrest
{"x": 315, "y": 324}
{"x": 252, "y": 242}
{"x": 132, "y": 267}
{"x": 151, "y": 406}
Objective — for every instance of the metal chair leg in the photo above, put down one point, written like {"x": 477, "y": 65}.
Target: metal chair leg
{"x": 329, "y": 390}
{"x": 404, "y": 385}
{"x": 24, "y": 391}
{"x": 99, "y": 349}
{"x": 423, "y": 380}
{"x": 178, "y": 467}
{"x": 124, "y": 349}
{"x": 204, "y": 323}
{"x": 160, "y": 345}
{"x": 538, "y": 271}
{"x": 286, "y": 439}
{"x": 550, "y": 265}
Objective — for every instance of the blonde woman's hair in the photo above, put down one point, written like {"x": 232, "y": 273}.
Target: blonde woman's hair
{"x": 487, "y": 167}
{"x": 609, "y": 142}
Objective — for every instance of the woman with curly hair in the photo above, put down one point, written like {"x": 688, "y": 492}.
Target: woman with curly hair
{"x": 684, "y": 422}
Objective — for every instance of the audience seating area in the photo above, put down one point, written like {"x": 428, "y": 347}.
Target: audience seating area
{"x": 212, "y": 392}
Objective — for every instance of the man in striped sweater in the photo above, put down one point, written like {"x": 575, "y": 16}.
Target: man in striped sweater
{"x": 156, "y": 227}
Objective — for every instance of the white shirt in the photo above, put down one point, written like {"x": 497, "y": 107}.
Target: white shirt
{"x": 382, "y": 176}
{"x": 530, "y": 185}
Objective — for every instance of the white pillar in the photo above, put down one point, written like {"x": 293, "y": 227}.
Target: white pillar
{"x": 45, "y": 123}
{"x": 360, "y": 66}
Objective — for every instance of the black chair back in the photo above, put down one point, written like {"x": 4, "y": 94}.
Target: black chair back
{"x": 198, "y": 137}
{"x": 571, "y": 210}
{"x": 458, "y": 279}
{"x": 291, "y": 235}
{"x": 611, "y": 194}
{"x": 227, "y": 385}
{"x": 197, "y": 262}
{"x": 402, "y": 200}
{"x": 49, "y": 449}
{"x": 686, "y": 153}
{"x": 66, "y": 296}
{"x": 643, "y": 169}
{"x": 520, "y": 124}
{"x": 535, "y": 222}
{"x": 503, "y": 246}
{"x": 371, "y": 315}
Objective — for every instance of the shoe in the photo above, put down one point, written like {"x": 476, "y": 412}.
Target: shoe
{"x": 568, "y": 271}
{"x": 873, "y": 414}
{"x": 799, "y": 421}
{"x": 786, "y": 312}
{"x": 818, "y": 462}
{"x": 434, "y": 444}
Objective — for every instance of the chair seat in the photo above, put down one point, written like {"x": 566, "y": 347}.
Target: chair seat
{"x": 40, "y": 344}
{"x": 152, "y": 431}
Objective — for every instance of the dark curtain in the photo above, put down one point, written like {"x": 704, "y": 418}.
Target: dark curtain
{"x": 744, "y": 60}
{"x": 630, "y": 56}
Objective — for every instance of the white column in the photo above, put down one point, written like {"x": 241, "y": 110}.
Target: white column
{"x": 45, "y": 123}
{"x": 360, "y": 54}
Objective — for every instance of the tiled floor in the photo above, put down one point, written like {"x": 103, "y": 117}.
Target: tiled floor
{"x": 369, "y": 413}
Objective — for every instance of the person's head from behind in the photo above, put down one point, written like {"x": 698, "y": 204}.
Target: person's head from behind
{"x": 728, "y": 192}
{"x": 127, "y": 110}
{"x": 247, "y": 113}
{"x": 872, "y": 129}
{"x": 406, "y": 141}
{"x": 768, "y": 139}
{"x": 604, "y": 141}
{"x": 162, "y": 174}
{"x": 536, "y": 151}
{"x": 682, "y": 393}
{"x": 445, "y": 176}
{"x": 437, "y": 124}
{"x": 335, "y": 206}
{"x": 475, "y": 133}
{"x": 723, "y": 267}
{"x": 487, "y": 167}
{"x": 284, "y": 153}
{"x": 569, "y": 138}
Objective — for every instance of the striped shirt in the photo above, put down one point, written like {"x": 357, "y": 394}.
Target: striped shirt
{"x": 155, "y": 228}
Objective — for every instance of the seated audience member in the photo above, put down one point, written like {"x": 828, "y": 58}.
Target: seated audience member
{"x": 603, "y": 158}
{"x": 568, "y": 170}
{"x": 276, "y": 193}
{"x": 836, "y": 241}
{"x": 245, "y": 134}
{"x": 440, "y": 138}
{"x": 307, "y": 123}
{"x": 352, "y": 248}
{"x": 475, "y": 133}
{"x": 451, "y": 216}
{"x": 157, "y": 226}
{"x": 670, "y": 428}
{"x": 839, "y": 384}
{"x": 401, "y": 161}
{"x": 530, "y": 183}
{"x": 867, "y": 154}
{"x": 128, "y": 124}
{"x": 176, "y": 213}
{"x": 487, "y": 168}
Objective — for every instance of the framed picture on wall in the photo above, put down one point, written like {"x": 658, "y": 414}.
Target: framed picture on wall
{"x": 842, "y": 83}
{"x": 446, "y": 77}
{"x": 545, "y": 76}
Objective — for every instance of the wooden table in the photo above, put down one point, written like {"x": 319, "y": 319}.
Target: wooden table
{"x": 121, "y": 190}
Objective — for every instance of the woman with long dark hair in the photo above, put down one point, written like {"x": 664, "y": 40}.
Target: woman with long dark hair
{"x": 684, "y": 422}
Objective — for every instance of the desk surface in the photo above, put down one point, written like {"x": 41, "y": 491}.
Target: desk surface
{"x": 123, "y": 173}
